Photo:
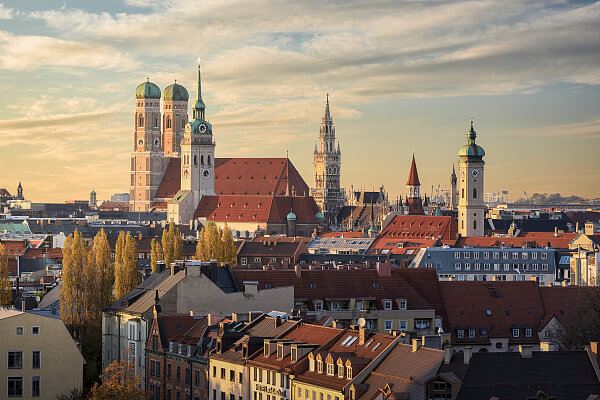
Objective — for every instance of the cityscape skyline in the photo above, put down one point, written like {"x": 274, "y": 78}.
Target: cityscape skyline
{"x": 385, "y": 103}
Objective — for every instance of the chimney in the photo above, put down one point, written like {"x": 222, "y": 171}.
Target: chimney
{"x": 577, "y": 227}
{"x": 525, "y": 350}
{"x": 213, "y": 319}
{"x": 251, "y": 287}
{"x": 448, "y": 352}
{"x": 416, "y": 343}
{"x": 467, "y": 354}
{"x": 363, "y": 334}
{"x": 334, "y": 323}
{"x": 384, "y": 269}
{"x": 23, "y": 308}
{"x": 298, "y": 271}
{"x": 277, "y": 321}
{"x": 555, "y": 231}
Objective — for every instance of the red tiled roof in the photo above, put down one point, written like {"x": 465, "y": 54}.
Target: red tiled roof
{"x": 413, "y": 176}
{"x": 561, "y": 302}
{"x": 360, "y": 355}
{"x": 114, "y": 206}
{"x": 253, "y": 208}
{"x": 53, "y": 253}
{"x": 177, "y": 326}
{"x": 495, "y": 307}
{"x": 352, "y": 283}
{"x": 536, "y": 239}
{"x": 242, "y": 176}
{"x": 419, "y": 227}
{"x": 14, "y": 247}
{"x": 400, "y": 246}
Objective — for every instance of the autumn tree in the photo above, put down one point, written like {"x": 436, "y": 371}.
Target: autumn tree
{"x": 119, "y": 381}
{"x": 167, "y": 244}
{"x": 215, "y": 243}
{"x": 127, "y": 276}
{"x": 6, "y": 299}
{"x": 155, "y": 254}
{"x": 72, "y": 301}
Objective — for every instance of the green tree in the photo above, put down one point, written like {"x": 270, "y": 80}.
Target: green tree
{"x": 119, "y": 381}
{"x": 155, "y": 254}
{"x": 6, "y": 299}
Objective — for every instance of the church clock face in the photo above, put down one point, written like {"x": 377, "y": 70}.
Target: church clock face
{"x": 206, "y": 173}
{"x": 202, "y": 128}
{"x": 475, "y": 173}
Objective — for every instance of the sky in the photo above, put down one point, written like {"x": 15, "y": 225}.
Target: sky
{"x": 402, "y": 77}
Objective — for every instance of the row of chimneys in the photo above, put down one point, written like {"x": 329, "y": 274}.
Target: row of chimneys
{"x": 383, "y": 269}
{"x": 525, "y": 350}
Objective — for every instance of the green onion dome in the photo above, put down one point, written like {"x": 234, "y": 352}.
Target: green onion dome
{"x": 175, "y": 92}
{"x": 147, "y": 90}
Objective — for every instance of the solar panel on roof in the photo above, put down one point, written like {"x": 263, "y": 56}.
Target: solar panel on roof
{"x": 352, "y": 341}
{"x": 376, "y": 346}
{"x": 346, "y": 340}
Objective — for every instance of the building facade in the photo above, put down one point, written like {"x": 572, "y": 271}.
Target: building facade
{"x": 38, "y": 357}
{"x": 491, "y": 264}
{"x": 471, "y": 207}
{"x": 327, "y": 166}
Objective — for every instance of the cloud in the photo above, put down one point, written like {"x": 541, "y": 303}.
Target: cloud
{"x": 32, "y": 52}
{"x": 5, "y": 13}
{"x": 578, "y": 130}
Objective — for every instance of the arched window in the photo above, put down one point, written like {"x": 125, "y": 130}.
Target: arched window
{"x": 141, "y": 120}
{"x": 202, "y": 159}
{"x": 195, "y": 159}
{"x": 168, "y": 122}
{"x": 462, "y": 224}
{"x": 155, "y": 122}
{"x": 463, "y": 193}
{"x": 182, "y": 122}
{"x": 208, "y": 160}
{"x": 474, "y": 224}
{"x": 474, "y": 193}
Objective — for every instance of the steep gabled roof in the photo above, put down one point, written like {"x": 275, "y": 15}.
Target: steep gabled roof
{"x": 413, "y": 175}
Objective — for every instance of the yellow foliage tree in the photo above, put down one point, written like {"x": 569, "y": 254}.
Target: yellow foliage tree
{"x": 127, "y": 276}
{"x": 167, "y": 244}
{"x": 155, "y": 254}
{"x": 119, "y": 381}
{"x": 215, "y": 243}
{"x": 5, "y": 286}
{"x": 72, "y": 302}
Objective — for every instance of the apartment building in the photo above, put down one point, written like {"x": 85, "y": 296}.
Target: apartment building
{"x": 38, "y": 357}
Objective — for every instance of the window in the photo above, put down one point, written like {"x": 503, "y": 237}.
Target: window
{"x": 35, "y": 330}
{"x": 524, "y": 256}
{"x": 507, "y": 267}
{"x": 244, "y": 261}
{"x": 486, "y": 255}
{"x": 140, "y": 121}
{"x": 477, "y": 266}
{"x": 474, "y": 224}
{"x": 457, "y": 254}
{"x": 15, "y": 386}
{"x": 515, "y": 255}
{"x": 319, "y": 305}
{"x": 505, "y": 254}
{"x": 222, "y": 373}
{"x": 257, "y": 259}
{"x": 544, "y": 256}
{"x": 403, "y": 304}
{"x": 476, "y": 256}
{"x": 496, "y": 255}
{"x": 544, "y": 267}
{"x": 232, "y": 375}
{"x": 178, "y": 373}
{"x": 471, "y": 333}
{"x": 35, "y": 386}
{"x": 15, "y": 359}
{"x": 515, "y": 332}
{"x": 348, "y": 373}
{"x": 196, "y": 377}
{"x": 340, "y": 371}
{"x": 240, "y": 378}
{"x": 486, "y": 267}
{"x": 320, "y": 366}
{"x": 330, "y": 369}
{"x": 387, "y": 304}
{"x": 37, "y": 359}
{"x": 457, "y": 266}
{"x": 403, "y": 324}
{"x": 466, "y": 254}
{"x": 460, "y": 334}
{"x": 535, "y": 267}
{"x": 19, "y": 330}
{"x": 528, "y": 332}
{"x": 388, "y": 325}
{"x": 474, "y": 193}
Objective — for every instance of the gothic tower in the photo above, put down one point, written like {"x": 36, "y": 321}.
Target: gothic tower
{"x": 175, "y": 118}
{"x": 327, "y": 164}
{"x": 413, "y": 186}
{"x": 471, "y": 208}
{"x": 147, "y": 161}
{"x": 198, "y": 152}
{"x": 452, "y": 205}
{"x": 20, "y": 192}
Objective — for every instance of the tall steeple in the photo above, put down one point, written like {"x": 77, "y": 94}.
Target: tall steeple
{"x": 413, "y": 186}
{"x": 327, "y": 166}
{"x": 453, "y": 190}
{"x": 199, "y": 106}
{"x": 471, "y": 207}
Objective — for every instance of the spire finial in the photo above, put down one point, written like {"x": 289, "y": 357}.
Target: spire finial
{"x": 175, "y": 80}
{"x": 148, "y": 79}
{"x": 199, "y": 107}
{"x": 327, "y": 116}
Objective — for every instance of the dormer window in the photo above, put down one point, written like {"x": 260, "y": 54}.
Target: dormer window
{"x": 266, "y": 349}
{"x": 340, "y": 369}
{"x": 280, "y": 351}
{"x": 311, "y": 362}
{"x": 330, "y": 369}
{"x": 320, "y": 366}
{"x": 294, "y": 354}
{"x": 348, "y": 369}
{"x": 403, "y": 304}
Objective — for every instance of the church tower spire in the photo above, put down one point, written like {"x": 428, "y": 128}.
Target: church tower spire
{"x": 199, "y": 106}
{"x": 471, "y": 208}
{"x": 327, "y": 166}
{"x": 413, "y": 186}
